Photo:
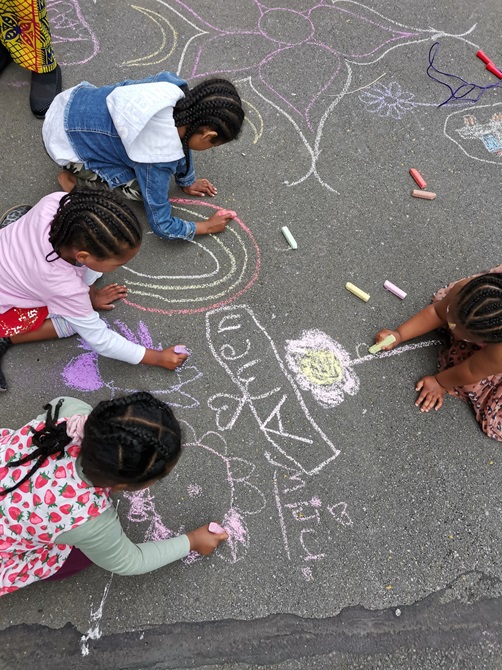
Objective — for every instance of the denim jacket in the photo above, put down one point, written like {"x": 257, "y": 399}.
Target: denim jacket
{"x": 95, "y": 140}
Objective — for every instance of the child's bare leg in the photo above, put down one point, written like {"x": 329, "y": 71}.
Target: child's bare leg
{"x": 45, "y": 332}
{"x": 67, "y": 180}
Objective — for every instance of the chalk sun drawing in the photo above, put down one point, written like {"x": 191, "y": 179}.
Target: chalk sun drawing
{"x": 328, "y": 37}
{"x": 323, "y": 367}
{"x": 69, "y": 28}
{"x": 83, "y": 373}
{"x": 477, "y": 132}
{"x": 229, "y": 266}
{"x": 247, "y": 353}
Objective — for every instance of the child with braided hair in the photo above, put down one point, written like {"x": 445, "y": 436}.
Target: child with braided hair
{"x": 49, "y": 260}
{"x": 470, "y": 313}
{"x": 137, "y": 135}
{"x": 56, "y": 476}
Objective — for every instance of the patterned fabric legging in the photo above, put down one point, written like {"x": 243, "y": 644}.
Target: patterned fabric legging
{"x": 25, "y": 33}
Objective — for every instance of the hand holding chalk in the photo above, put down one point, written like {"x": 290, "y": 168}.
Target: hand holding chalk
{"x": 216, "y": 223}
{"x": 215, "y": 528}
{"x": 203, "y": 541}
{"x": 385, "y": 340}
{"x": 179, "y": 349}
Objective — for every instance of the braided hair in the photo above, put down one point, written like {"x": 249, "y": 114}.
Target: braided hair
{"x": 95, "y": 221}
{"x": 213, "y": 104}
{"x": 130, "y": 440}
{"x": 479, "y": 307}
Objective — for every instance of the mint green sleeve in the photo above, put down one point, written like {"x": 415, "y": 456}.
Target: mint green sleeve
{"x": 69, "y": 407}
{"x": 104, "y": 542}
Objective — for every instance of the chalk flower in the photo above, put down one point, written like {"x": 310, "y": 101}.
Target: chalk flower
{"x": 388, "y": 100}
{"x": 321, "y": 366}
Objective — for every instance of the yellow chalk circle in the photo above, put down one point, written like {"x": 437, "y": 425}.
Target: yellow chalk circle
{"x": 384, "y": 343}
{"x": 291, "y": 240}
{"x": 321, "y": 367}
{"x": 357, "y": 291}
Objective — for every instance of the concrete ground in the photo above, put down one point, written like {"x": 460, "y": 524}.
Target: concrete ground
{"x": 364, "y": 534}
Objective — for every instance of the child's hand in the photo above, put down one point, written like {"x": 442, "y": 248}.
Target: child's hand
{"x": 167, "y": 358}
{"x": 204, "y": 542}
{"x": 200, "y": 187}
{"x": 102, "y": 298}
{"x": 216, "y": 223}
{"x": 431, "y": 394}
{"x": 385, "y": 333}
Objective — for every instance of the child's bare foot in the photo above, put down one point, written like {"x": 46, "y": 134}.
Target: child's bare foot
{"x": 67, "y": 181}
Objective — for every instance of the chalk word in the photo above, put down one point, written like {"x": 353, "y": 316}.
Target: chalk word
{"x": 247, "y": 353}
{"x": 323, "y": 367}
{"x": 231, "y": 266}
{"x": 70, "y": 30}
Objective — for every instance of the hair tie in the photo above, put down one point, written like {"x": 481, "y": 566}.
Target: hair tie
{"x": 75, "y": 426}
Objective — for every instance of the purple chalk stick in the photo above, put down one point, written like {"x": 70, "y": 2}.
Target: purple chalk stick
{"x": 215, "y": 528}
{"x": 178, "y": 349}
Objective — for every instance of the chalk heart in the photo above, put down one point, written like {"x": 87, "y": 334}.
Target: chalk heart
{"x": 227, "y": 408}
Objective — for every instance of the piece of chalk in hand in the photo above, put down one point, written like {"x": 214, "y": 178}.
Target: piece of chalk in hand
{"x": 357, "y": 291}
{"x": 215, "y": 528}
{"x": 290, "y": 239}
{"x": 427, "y": 195}
{"x": 394, "y": 289}
{"x": 418, "y": 178}
{"x": 483, "y": 56}
{"x": 226, "y": 212}
{"x": 178, "y": 349}
{"x": 384, "y": 343}
{"x": 494, "y": 70}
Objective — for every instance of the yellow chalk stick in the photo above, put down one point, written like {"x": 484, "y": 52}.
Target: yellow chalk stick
{"x": 291, "y": 240}
{"x": 384, "y": 343}
{"x": 357, "y": 291}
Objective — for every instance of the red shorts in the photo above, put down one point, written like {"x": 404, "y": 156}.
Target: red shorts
{"x": 19, "y": 320}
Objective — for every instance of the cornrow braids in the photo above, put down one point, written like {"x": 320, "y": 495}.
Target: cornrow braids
{"x": 95, "y": 221}
{"x": 49, "y": 440}
{"x": 130, "y": 440}
{"x": 213, "y": 104}
{"x": 479, "y": 307}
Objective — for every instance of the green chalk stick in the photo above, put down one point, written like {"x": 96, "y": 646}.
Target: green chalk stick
{"x": 384, "y": 343}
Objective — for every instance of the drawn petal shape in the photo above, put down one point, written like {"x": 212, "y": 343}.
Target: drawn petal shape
{"x": 355, "y": 31}
{"x": 233, "y": 18}
{"x": 223, "y": 53}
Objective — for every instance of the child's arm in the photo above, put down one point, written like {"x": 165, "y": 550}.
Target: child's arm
{"x": 429, "y": 318}
{"x": 481, "y": 364}
{"x": 104, "y": 542}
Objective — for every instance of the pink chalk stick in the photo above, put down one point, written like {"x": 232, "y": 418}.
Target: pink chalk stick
{"x": 394, "y": 289}
{"x": 418, "y": 178}
{"x": 483, "y": 56}
{"x": 178, "y": 349}
{"x": 215, "y": 528}
{"x": 491, "y": 68}
{"x": 223, "y": 212}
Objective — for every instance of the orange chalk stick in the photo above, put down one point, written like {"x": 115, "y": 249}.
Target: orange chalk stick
{"x": 427, "y": 195}
{"x": 418, "y": 178}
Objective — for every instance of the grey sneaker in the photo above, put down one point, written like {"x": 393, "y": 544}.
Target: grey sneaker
{"x": 13, "y": 214}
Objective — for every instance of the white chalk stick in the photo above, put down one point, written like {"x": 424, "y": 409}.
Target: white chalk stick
{"x": 394, "y": 289}
{"x": 290, "y": 239}
{"x": 357, "y": 291}
{"x": 215, "y": 528}
{"x": 384, "y": 343}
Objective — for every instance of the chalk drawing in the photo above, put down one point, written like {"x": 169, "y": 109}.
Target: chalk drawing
{"x": 247, "y": 353}
{"x": 308, "y": 525}
{"x": 83, "y": 373}
{"x": 477, "y": 132}
{"x": 94, "y": 632}
{"x": 331, "y": 35}
{"x": 323, "y": 367}
{"x": 167, "y": 45}
{"x": 68, "y": 29}
{"x": 231, "y": 266}
{"x": 232, "y": 481}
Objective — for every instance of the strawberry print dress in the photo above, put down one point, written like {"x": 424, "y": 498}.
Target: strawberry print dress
{"x": 54, "y": 500}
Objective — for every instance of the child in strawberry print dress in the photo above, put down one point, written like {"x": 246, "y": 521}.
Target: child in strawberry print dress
{"x": 56, "y": 476}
